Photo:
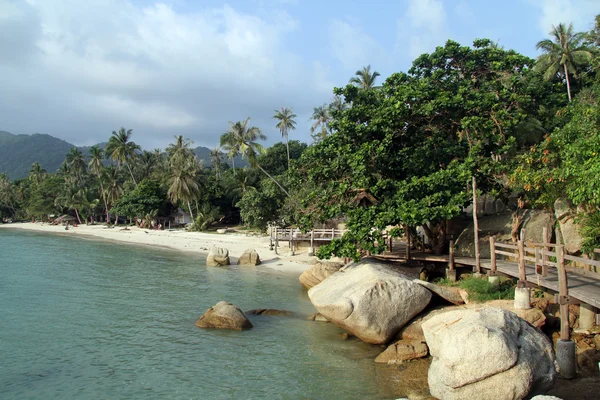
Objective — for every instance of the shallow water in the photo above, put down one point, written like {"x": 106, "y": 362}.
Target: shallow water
{"x": 84, "y": 318}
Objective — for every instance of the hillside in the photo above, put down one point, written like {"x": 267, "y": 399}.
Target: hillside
{"x": 18, "y": 152}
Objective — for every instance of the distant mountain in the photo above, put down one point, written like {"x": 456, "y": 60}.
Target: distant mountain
{"x": 18, "y": 152}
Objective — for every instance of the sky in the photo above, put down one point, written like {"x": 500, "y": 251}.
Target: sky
{"x": 80, "y": 69}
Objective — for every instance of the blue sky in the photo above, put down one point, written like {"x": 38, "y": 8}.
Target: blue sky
{"x": 80, "y": 69}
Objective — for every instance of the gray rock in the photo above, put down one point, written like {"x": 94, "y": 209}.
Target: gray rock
{"x": 499, "y": 226}
{"x": 317, "y": 317}
{"x": 317, "y": 273}
{"x": 249, "y": 257}
{"x": 544, "y": 397}
{"x": 448, "y": 294}
{"x": 369, "y": 299}
{"x": 534, "y": 222}
{"x": 217, "y": 256}
{"x": 402, "y": 350}
{"x": 270, "y": 311}
{"x": 487, "y": 351}
{"x": 224, "y": 315}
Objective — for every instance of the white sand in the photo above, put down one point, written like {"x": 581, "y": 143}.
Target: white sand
{"x": 196, "y": 242}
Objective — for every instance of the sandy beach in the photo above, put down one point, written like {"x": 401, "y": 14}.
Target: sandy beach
{"x": 181, "y": 240}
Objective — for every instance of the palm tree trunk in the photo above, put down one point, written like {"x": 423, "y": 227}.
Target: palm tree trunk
{"x": 77, "y": 214}
{"x": 131, "y": 173}
{"x": 104, "y": 199}
{"x": 273, "y": 179}
{"x": 287, "y": 143}
{"x": 568, "y": 82}
{"x": 324, "y": 132}
{"x": 233, "y": 164}
{"x": 190, "y": 208}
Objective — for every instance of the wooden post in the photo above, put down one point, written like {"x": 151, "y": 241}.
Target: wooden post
{"x": 276, "y": 239}
{"x": 332, "y": 233}
{"x": 476, "y": 229}
{"x": 312, "y": 238}
{"x": 451, "y": 256}
{"x": 563, "y": 292}
{"x": 408, "y": 244}
{"x": 493, "y": 256}
{"x": 545, "y": 252}
{"x": 538, "y": 261}
{"x": 522, "y": 273}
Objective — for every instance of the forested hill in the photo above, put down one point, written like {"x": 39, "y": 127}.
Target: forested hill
{"x": 18, "y": 152}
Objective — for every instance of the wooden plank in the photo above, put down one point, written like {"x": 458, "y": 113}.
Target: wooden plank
{"x": 582, "y": 260}
{"x": 522, "y": 270}
{"x": 506, "y": 246}
{"x": 535, "y": 244}
{"x": 506, "y": 253}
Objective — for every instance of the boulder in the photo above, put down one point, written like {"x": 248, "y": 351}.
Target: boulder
{"x": 534, "y": 221}
{"x": 499, "y": 226}
{"x": 249, "y": 257}
{"x": 449, "y": 294}
{"x": 402, "y": 350}
{"x": 317, "y": 273}
{"x": 217, "y": 256}
{"x": 489, "y": 352}
{"x": 317, "y": 317}
{"x": 568, "y": 230}
{"x": 369, "y": 299}
{"x": 224, "y": 315}
{"x": 270, "y": 311}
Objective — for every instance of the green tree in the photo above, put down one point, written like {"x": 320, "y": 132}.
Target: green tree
{"x": 76, "y": 164}
{"x": 37, "y": 173}
{"x": 563, "y": 54}
{"x": 320, "y": 117}
{"x": 274, "y": 159}
{"x": 96, "y": 167}
{"x": 145, "y": 201}
{"x": 121, "y": 149}
{"x": 180, "y": 149}
{"x": 364, "y": 78}
{"x": 183, "y": 185}
{"x": 286, "y": 123}
{"x": 215, "y": 156}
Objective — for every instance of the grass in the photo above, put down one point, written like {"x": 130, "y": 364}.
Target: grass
{"x": 481, "y": 290}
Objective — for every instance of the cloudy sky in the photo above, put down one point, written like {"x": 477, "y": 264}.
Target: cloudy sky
{"x": 79, "y": 69}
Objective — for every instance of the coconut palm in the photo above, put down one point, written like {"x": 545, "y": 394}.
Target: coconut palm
{"x": 364, "y": 78}
{"x": 121, "y": 149}
{"x": 76, "y": 163}
{"x": 285, "y": 125}
{"x": 183, "y": 184}
{"x": 229, "y": 143}
{"x": 96, "y": 167}
{"x": 563, "y": 54}
{"x": 321, "y": 118}
{"x": 337, "y": 104}
{"x": 215, "y": 156}
{"x": 247, "y": 138}
{"x": 36, "y": 173}
{"x": 113, "y": 188}
{"x": 181, "y": 148}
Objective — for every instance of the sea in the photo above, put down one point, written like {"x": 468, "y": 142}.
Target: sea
{"x": 82, "y": 318}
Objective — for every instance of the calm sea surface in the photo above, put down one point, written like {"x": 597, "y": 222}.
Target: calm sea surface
{"x": 82, "y": 318}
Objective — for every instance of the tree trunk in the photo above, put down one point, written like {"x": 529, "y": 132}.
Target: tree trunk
{"x": 116, "y": 219}
{"x": 77, "y": 214}
{"x": 190, "y": 208}
{"x": 273, "y": 179}
{"x": 287, "y": 143}
{"x": 436, "y": 236}
{"x": 324, "y": 132}
{"x": 568, "y": 83}
{"x": 131, "y": 173}
{"x": 104, "y": 199}
{"x": 233, "y": 164}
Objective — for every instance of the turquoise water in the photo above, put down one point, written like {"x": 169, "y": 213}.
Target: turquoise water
{"x": 82, "y": 318}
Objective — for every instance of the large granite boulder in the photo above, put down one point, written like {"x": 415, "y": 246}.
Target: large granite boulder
{"x": 449, "y": 294}
{"x": 370, "y": 299}
{"x": 533, "y": 223}
{"x": 402, "y": 350}
{"x": 499, "y": 226}
{"x": 249, "y": 257}
{"x": 224, "y": 315}
{"x": 568, "y": 230}
{"x": 487, "y": 353}
{"x": 217, "y": 257}
{"x": 318, "y": 272}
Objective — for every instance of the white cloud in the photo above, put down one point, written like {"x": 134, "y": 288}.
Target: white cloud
{"x": 353, "y": 47}
{"x": 553, "y": 12}
{"x": 110, "y": 63}
{"x": 422, "y": 28}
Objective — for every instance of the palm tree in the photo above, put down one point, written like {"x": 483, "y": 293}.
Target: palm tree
{"x": 285, "y": 124}
{"x": 241, "y": 183}
{"x": 183, "y": 185}
{"x": 36, "y": 173}
{"x": 215, "y": 156}
{"x": 247, "y": 138}
{"x": 76, "y": 163}
{"x": 337, "y": 104}
{"x": 229, "y": 143}
{"x": 564, "y": 50}
{"x": 122, "y": 150}
{"x": 181, "y": 148}
{"x": 321, "y": 118}
{"x": 96, "y": 167}
{"x": 365, "y": 79}
{"x": 114, "y": 188}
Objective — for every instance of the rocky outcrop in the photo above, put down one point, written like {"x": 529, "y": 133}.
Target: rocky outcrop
{"x": 533, "y": 223}
{"x": 224, "y": 315}
{"x": 317, "y": 317}
{"x": 270, "y": 311}
{"x": 217, "y": 257}
{"x": 568, "y": 230}
{"x": 449, "y": 294}
{"x": 489, "y": 351}
{"x": 487, "y": 205}
{"x": 317, "y": 273}
{"x": 402, "y": 350}
{"x": 249, "y": 257}
{"x": 499, "y": 226}
{"x": 369, "y": 299}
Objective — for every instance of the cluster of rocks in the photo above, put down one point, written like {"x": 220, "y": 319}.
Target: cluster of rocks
{"x": 219, "y": 257}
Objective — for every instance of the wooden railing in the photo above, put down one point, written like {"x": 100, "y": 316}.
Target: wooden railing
{"x": 292, "y": 235}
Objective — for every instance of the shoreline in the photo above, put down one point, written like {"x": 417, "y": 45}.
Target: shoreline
{"x": 181, "y": 240}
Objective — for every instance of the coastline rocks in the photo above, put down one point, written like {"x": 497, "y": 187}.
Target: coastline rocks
{"x": 448, "y": 294}
{"x": 565, "y": 212}
{"x": 249, "y": 257}
{"x": 317, "y": 317}
{"x": 217, "y": 257}
{"x": 317, "y": 273}
{"x": 224, "y": 315}
{"x": 499, "y": 226}
{"x": 270, "y": 311}
{"x": 402, "y": 350}
{"x": 369, "y": 299}
{"x": 487, "y": 351}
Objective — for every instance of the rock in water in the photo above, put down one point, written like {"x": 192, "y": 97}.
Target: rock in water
{"x": 402, "y": 350}
{"x": 317, "y": 273}
{"x": 224, "y": 315}
{"x": 487, "y": 353}
{"x": 217, "y": 256}
{"x": 250, "y": 257}
{"x": 270, "y": 311}
{"x": 370, "y": 299}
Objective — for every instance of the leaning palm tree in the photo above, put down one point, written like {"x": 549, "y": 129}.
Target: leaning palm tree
{"x": 36, "y": 173}
{"x": 285, "y": 125}
{"x": 183, "y": 186}
{"x": 122, "y": 150}
{"x": 230, "y": 144}
{"x": 321, "y": 118}
{"x": 364, "y": 78}
{"x": 96, "y": 167}
{"x": 563, "y": 54}
{"x": 250, "y": 148}
{"x": 76, "y": 163}
{"x": 114, "y": 188}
